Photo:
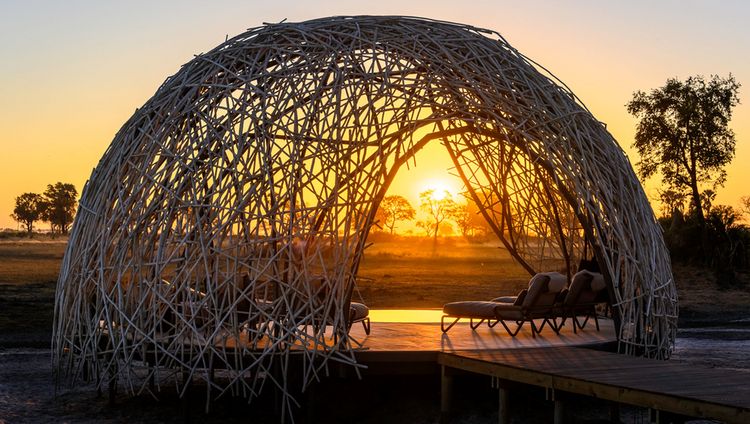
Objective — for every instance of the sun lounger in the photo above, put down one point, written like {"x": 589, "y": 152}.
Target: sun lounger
{"x": 473, "y": 310}
{"x": 587, "y": 289}
{"x": 359, "y": 312}
{"x": 537, "y": 302}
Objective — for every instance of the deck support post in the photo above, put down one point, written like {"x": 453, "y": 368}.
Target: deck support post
{"x": 557, "y": 398}
{"x": 654, "y": 416}
{"x": 446, "y": 383}
{"x": 559, "y": 411}
{"x": 503, "y": 411}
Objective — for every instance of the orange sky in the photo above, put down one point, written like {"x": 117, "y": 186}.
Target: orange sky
{"x": 73, "y": 72}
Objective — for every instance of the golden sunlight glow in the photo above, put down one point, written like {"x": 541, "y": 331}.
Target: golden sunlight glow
{"x": 441, "y": 187}
{"x": 85, "y": 102}
{"x": 431, "y": 169}
{"x": 406, "y": 315}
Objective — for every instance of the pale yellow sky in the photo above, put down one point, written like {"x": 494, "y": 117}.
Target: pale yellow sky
{"x": 73, "y": 72}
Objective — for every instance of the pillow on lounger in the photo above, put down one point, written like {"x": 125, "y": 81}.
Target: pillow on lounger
{"x": 596, "y": 278}
{"x": 521, "y": 296}
{"x": 542, "y": 283}
{"x": 598, "y": 283}
{"x": 581, "y": 283}
{"x": 537, "y": 286}
{"x": 557, "y": 282}
{"x": 585, "y": 288}
{"x": 358, "y": 311}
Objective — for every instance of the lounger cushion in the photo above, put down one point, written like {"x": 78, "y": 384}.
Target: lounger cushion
{"x": 358, "y": 311}
{"x": 542, "y": 284}
{"x": 471, "y": 309}
{"x": 596, "y": 279}
{"x": 506, "y": 299}
{"x": 512, "y": 300}
{"x": 557, "y": 282}
{"x": 597, "y": 283}
{"x": 508, "y": 312}
{"x": 537, "y": 286}
{"x": 580, "y": 284}
{"x": 585, "y": 288}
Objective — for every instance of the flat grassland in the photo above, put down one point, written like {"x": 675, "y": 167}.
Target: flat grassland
{"x": 400, "y": 273}
{"x": 409, "y": 273}
{"x": 28, "y": 277}
{"x": 396, "y": 273}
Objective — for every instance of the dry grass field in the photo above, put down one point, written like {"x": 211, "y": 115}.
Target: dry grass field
{"x": 399, "y": 273}
{"x": 28, "y": 276}
{"x": 407, "y": 273}
{"x": 396, "y": 273}
{"x": 30, "y": 261}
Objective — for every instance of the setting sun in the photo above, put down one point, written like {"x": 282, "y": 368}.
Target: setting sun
{"x": 440, "y": 187}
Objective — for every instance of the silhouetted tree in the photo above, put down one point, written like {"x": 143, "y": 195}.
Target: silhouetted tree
{"x": 469, "y": 219}
{"x": 683, "y": 134}
{"x": 446, "y": 229}
{"x": 724, "y": 242}
{"x": 672, "y": 201}
{"x": 60, "y": 206}
{"x": 438, "y": 209}
{"x": 463, "y": 219}
{"x": 728, "y": 242}
{"x": 393, "y": 209}
{"x": 745, "y": 204}
{"x": 426, "y": 226}
{"x": 29, "y": 208}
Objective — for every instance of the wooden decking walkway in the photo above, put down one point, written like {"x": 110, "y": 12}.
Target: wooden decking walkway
{"x": 660, "y": 385}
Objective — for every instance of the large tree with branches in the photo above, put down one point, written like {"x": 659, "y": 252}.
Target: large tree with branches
{"x": 60, "y": 206}
{"x": 438, "y": 207}
{"x": 29, "y": 208}
{"x": 393, "y": 209}
{"x": 683, "y": 133}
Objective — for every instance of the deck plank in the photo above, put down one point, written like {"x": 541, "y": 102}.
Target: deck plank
{"x": 670, "y": 386}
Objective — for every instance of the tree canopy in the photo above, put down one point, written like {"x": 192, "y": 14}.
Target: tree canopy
{"x": 683, "y": 133}
{"x": 60, "y": 206}
{"x": 469, "y": 220}
{"x": 438, "y": 208}
{"x": 29, "y": 208}
{"x": 393, "y": 209}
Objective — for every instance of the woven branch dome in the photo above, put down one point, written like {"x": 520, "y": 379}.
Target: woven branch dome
{"x": 229, "y": 215}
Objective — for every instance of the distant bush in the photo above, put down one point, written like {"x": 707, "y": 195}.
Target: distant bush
{"x": 722, "y": 244}
{"x": 11, "y": 234}
{"x": 480, "y": 238}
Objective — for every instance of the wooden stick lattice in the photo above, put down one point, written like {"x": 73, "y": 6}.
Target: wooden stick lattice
{"x": 224, "y": 225}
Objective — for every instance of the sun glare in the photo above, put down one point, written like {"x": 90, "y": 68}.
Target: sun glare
{"x": 440, "y": 187}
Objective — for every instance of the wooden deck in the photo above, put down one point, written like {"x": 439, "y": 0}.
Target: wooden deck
{"x": 660, "y": 385}
{"x": 415, "y": 336}
{"x": 407, "y": 342}
{"x": 427, "y": 336}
